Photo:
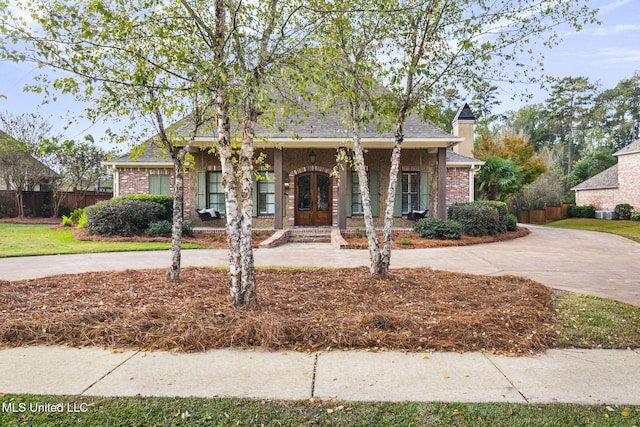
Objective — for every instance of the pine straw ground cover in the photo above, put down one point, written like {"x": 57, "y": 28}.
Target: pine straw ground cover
{"x": 306, "y": 310}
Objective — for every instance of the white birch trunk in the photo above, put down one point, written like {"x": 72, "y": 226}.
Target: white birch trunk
{"x": 230, "y": 195}
{"x": 372, "y": 238}
{"x": 385, "y": 262}
{"x": 176, "y": 229}
{"x": 246, "y": 295}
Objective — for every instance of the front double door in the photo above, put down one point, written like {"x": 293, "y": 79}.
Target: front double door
{"x": 313, "y": 199}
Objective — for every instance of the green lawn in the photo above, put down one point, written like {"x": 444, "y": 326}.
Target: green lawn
{"x": 136, "y": 411}
{"x": 628, "y": 229}
{"x": 33, "y": 239}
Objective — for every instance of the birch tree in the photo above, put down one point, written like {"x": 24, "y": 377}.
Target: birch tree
{"x": 124, "y": 61}
{"x": 250, "y": 43}
{"x": 429, "y": 46}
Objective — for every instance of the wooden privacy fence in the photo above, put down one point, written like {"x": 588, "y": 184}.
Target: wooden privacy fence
{"x": 41, "y": 203}
{"x": 540, "y": 216}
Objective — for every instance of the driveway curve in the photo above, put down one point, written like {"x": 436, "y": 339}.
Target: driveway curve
{"x": 586, "y": 262}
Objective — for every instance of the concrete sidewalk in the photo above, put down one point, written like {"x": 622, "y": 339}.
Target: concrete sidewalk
{"x": 571, "y": 376}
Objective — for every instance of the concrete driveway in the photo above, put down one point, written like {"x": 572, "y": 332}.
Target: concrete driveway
{"x": 586, "y": 262}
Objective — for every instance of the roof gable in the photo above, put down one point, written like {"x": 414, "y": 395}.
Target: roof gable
{"x": 632, "y": 148}
{"x": 464, "y": 113}
{"x": 605, "y": 179}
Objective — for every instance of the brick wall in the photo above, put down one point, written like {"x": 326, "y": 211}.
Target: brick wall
{"x": 136, "y": 180}
{"x": 628, "y": 190}
{"x": 629, "y": 180}
{"x": 457, "y": 185}
{"x": 604, "y": 199}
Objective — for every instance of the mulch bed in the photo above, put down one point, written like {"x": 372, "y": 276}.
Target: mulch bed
{"x": 411, "y": 240}
{"x": 304, "y": 310}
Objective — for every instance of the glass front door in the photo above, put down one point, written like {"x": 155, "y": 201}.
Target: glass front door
{"x": 313, "y": 199}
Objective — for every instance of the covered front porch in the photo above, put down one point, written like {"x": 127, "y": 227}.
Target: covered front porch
{"x": 307, "y": 187}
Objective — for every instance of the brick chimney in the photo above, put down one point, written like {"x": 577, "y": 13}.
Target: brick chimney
{"x": 463, "y": 124}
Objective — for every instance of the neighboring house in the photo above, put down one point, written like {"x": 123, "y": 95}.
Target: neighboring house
{"x": 301, "y": 188}
{"x": 35, "y": 175}
{"x": 618, "y": 184}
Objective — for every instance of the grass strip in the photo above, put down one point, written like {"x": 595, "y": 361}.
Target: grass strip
{"x": 42, "y": 410}
{"x": 36, "y": 239}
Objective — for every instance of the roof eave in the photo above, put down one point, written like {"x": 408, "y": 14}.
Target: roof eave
{"x": 609, "y": 187}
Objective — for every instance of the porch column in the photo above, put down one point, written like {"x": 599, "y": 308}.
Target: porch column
{"x": 342, "y": 196}
{"x": 442, "y": 183}
{"x": 277, "y": 170}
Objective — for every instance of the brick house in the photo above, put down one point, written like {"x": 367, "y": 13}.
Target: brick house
{"x": 301, "y": 189}
{"x": 618, "y": 184}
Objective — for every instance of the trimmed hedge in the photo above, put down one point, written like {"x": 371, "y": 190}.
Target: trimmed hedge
{"x": 477, "y": 219}
{"x": 435, "y": 228}
{"x": 123, "y": 216}
{"x": 586, "y": 211}
{"x": 623, "y": 211}
{"x": 165, "y": 201}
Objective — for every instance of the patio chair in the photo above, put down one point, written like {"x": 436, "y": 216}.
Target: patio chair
{"x": 208, "y": 214}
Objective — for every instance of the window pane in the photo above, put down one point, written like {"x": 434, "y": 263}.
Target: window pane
{"x": 356, "y": 195}
{"x": 410, "y": 191}
{"x": 215, "y": 192}
{"x": 266, "y": 195}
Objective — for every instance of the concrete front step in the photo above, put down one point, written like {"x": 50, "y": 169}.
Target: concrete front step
{"x": 309, "y": 236}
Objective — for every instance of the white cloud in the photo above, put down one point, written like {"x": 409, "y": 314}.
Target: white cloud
{"x": 614, "y": 29}
{"x": 613, "y": 6}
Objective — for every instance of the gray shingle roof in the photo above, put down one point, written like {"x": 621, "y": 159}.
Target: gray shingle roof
{"x": 151, "y": 154}
{"x": 605, "y": 179}
{"x": 453, "y": 157}
{"x": 323, "y": 125}
{"x": 634, "y": 147}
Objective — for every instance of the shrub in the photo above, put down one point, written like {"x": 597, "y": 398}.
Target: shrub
{"x": 435, "y": 228}
{"x": 512, "y": 222}
{"x": 635, "y": 216}
{"x": 503, "y": 213}
{"x": 165, "y": 201}
{"x": 46, "y": 211}
{"x": 82, "y": 221}
{"x": 477, "y": 219}
{"x": 76, "y": 214}
{"x": 123, "y": 216}
{"x": 159, "y": 228}
{"x": 623, "y": 211}
{"x": 163, "y": 228}
{"x": 66, "y": 221}
{"x": 587, "y": 211}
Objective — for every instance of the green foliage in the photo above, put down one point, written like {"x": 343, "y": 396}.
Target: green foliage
{"x": 499, "y": 178}
{"x": 512, "y": 222}
{"x": 435, "y": 228}
{"x": 590, "y": 165}
{"x": 165, "y": 201}
{"x": 623, "y": 211}
{"x": 82, "y": 221}
{"x": 66, "y": 221}
{"x": 503, "y": 213}
{"x": 477, "y": 219}
{"x": 635, "y": 216}
{"x": 123, "y": 216}
{"x": 164, "y": 228}
{"x": 76, "y": 215}
{"x": 587, "y": 211}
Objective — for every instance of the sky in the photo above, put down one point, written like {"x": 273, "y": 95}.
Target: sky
{"x": 605, "y": 53}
